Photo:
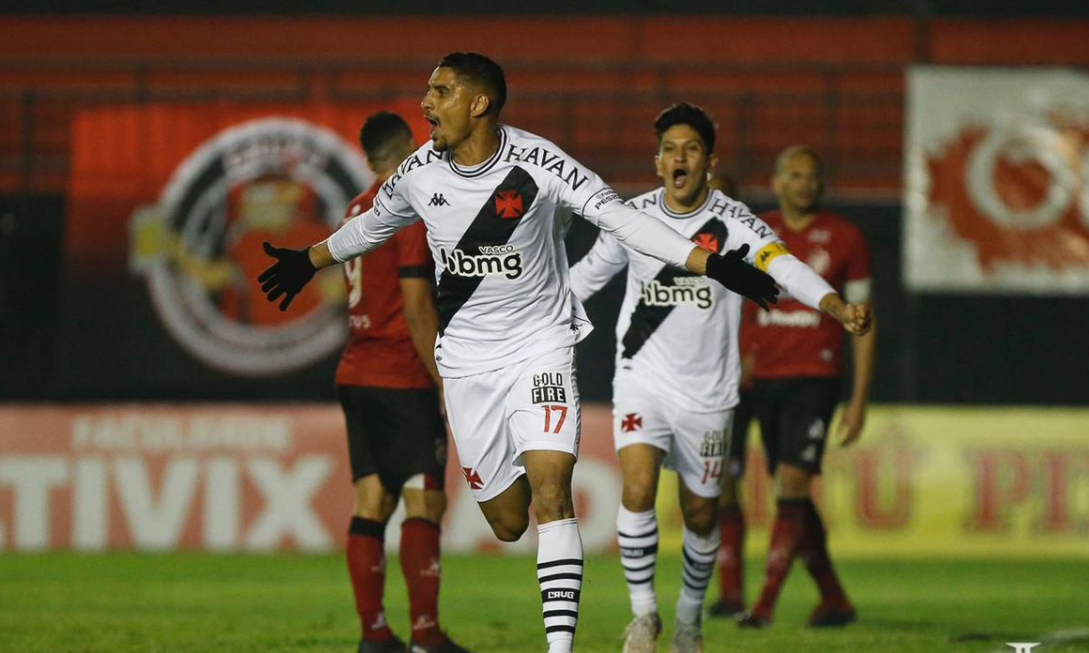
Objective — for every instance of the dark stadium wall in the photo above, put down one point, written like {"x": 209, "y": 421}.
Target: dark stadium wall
{"x": 531, "y": 7}
{"x": 932, "y": 349}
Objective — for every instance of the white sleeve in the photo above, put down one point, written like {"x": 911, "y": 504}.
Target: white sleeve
{"x": 641, "y": 232}
{"x": 584, "y": 193}
{"x": 390, "y": 212}
{"x": 769, "y": 254}
{"x": 799, "y": 280}
{"x": 604, "y": 260}
{"x": 365, "y": 232}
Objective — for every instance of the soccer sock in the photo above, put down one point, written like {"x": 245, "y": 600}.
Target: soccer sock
{"x": 421, "y": 567}
{"x": 367, "y": 569}
{"x": 637, "y": 534}
{"x": 786, "y": 536}
{"x": 698, "y": 566}
{"x": 559, "y": 571}
{"x": 731, "y": 555}
{"x": 814, "y": 553}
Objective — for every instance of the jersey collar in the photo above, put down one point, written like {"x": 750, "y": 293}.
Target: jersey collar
{"x": 682, "y": 216}
{"x": 480, "y": 168}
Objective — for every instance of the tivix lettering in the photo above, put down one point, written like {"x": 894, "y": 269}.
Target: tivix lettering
{"x": 548, "y": 388}
{"x": 689, "y": 290}
{"x": 498, "y": 259}
{"x": 713, "y": 445}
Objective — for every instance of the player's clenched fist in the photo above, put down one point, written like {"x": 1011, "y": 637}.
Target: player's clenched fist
{"x": 857, "y": 318}
{"x": 287, "y": 276}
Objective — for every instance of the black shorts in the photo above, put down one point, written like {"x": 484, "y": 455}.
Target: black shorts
{"x": 795, "y": 415}
{"x": 396, "y": 434}
{"x": 737, "y": 445}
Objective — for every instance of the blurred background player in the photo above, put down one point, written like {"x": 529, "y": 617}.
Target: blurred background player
{"x": 677, "y": 366}
{"x": 796, "y": 358}
{"x": 389, "y": 387}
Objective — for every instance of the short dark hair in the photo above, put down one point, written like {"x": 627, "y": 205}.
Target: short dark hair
{"x": 694, "y": 116}
{"x": 483, "y": 71}
{"x": 380, "y": 131}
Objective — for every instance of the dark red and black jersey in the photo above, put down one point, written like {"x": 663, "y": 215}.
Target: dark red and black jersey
{"x": 791, "y": 339}
{"x": 380, "y": 350}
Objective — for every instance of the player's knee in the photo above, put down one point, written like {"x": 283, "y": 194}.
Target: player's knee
{"x": 425, "y": 504}
{"x": 639, "y": 492}
{"x": 552, "y": 502}
{"x": 509, "y": 528}
{"x": 793, "y": 482}
{"x": 700, "y": 516}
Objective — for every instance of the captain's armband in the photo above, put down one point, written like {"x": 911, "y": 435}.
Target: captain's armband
{"x": 766, "y": 254}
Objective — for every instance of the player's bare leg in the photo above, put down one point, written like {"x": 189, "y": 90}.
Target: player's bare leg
{"x": 547, "y": 484}
{"x": 700, "y": 546}
{"x": 367, "y": 563}
{"x": 637, "y": 534}
{"x": 731, "y": 551}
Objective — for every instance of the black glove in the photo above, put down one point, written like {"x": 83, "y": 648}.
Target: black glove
{"x": 287, "y": 276}
{"x": 733, "y": 272}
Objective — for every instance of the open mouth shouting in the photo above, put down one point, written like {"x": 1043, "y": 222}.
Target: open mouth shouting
{"x": 680, "y": 178}
{"x": 434, "y": 122}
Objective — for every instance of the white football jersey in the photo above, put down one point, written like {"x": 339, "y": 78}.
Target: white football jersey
{"x": 496, "y": 232}
{"x": 677, "y": 332}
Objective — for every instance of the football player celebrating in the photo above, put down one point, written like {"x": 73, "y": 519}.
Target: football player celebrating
{"x": 497, "y": 202}
{"x": 677, "y": 367}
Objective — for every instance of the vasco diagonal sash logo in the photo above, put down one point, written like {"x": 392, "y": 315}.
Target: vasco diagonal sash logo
{"x": 199, "y": 247}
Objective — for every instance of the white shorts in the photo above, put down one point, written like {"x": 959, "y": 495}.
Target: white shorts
{"x": 499, "y": 415}
{"x": 694, "y": 442}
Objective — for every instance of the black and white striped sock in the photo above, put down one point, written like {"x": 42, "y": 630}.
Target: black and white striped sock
{"x": 637, "y": 534}
{"x": 559, "y": 572}
{"x": 699, "y": 564}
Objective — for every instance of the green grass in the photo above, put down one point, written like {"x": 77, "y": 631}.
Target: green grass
{"x": 122, "y": 603}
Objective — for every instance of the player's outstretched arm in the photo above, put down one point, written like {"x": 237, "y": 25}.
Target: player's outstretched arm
{"x": 648, "y": 236}
{"x": 294, "y": 268}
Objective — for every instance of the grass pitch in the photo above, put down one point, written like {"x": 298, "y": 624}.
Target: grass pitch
{"x": 127, "y": 603}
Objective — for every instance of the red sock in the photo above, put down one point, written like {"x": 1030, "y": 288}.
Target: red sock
{"x": 367, "y": 568}
{"x": 420, "y": 565}
{"x": 814, "y": 554}
{"x": 731, "y": 556}
{"x": 786, "y": 538}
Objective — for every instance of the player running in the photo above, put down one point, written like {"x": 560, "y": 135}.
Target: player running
{"x": 497, "y": 202}
{"x": 677, "y": 368}
{"x": 797, "y": 360}
{"x": 388, "y": 386}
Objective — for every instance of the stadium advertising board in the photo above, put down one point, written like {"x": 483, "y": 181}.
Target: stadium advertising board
{"x": 168, "y": 207}
{"x": 996, "y": 163}
{"x": 922, "y": 482}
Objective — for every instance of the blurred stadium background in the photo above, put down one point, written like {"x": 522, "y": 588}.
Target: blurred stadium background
{"x": 150, "y": 403}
